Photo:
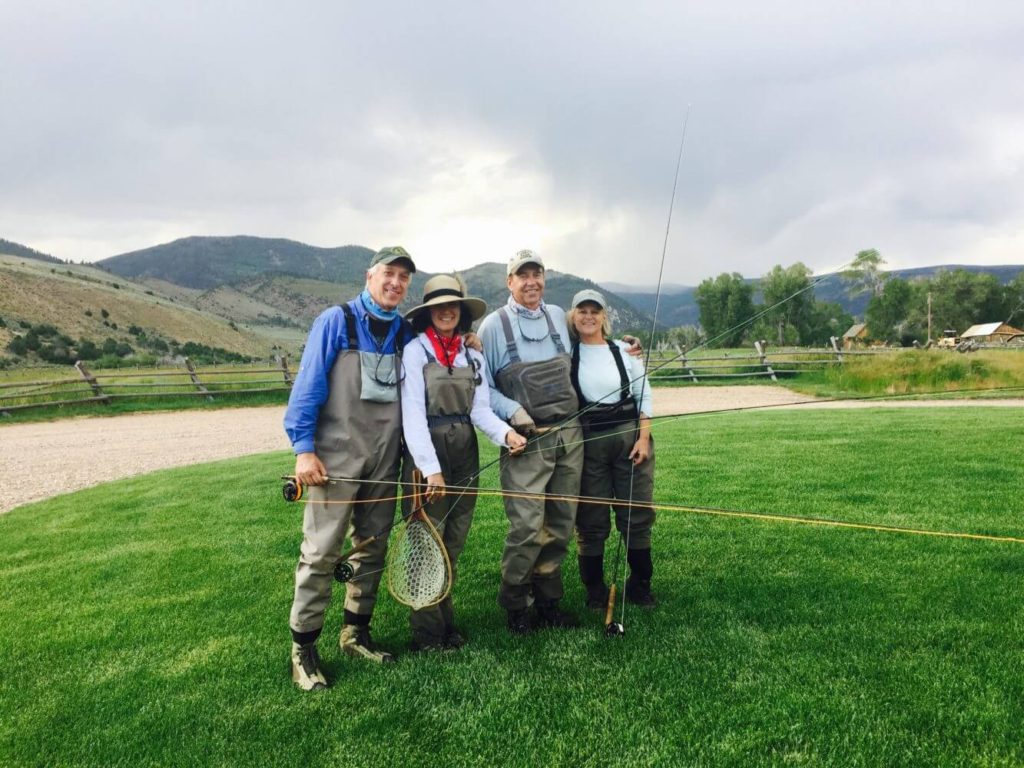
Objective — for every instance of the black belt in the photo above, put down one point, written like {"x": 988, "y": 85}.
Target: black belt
{"x": 444, "y": 421}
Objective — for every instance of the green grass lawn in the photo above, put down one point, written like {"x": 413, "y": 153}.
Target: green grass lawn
{"x": 145, "y": 622}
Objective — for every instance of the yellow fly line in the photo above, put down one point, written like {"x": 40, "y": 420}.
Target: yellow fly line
{"x": 715, "y": 511}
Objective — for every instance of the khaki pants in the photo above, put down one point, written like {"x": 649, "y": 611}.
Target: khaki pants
{"x": 607, "y": 470}
{"x": 539, "y": 530}
{"x": 326, "y": 521}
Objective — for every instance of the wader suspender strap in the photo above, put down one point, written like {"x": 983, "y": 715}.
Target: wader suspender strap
{"x": 513, "y": 347}
{"x": 574, "y": 372}
{"x": 353, "y": 332}
{"x": 350, "y": 328}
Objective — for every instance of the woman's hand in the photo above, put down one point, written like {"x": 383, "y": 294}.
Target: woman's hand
{"x": 435, "y": 487}
{"x": 641, "y": 450}
{"x": 516, "y": 443}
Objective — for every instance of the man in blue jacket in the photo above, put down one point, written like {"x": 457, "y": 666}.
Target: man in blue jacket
{"x": 344, "y": 420}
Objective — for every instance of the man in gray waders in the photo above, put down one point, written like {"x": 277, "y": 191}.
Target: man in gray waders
{"x": 344, "y": 420}
{"x": 525, "y": 346}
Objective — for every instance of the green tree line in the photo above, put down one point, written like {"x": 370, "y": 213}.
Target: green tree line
{"x": 897, "y": 311}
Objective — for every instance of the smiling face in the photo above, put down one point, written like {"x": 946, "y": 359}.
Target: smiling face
{"x": 588, "y": 319}
{"x": 527, "y": 285}
{"x": 445, "y": 317}
{"x": 388, "y": 284}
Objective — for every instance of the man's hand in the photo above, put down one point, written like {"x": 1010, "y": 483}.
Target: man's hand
{"x": 435, "y": 487}
{"x": 516, "y": 443}
{"x": 472, "y": 341}
{"x": 523, "y": 423}
{"x": 636, "y": 349}
{"x": 309, "y": 470}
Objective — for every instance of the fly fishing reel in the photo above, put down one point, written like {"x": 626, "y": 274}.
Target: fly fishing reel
{"x": 614, "y": 629}
{"x": 343, "y": 572}
{"x": 292, "y": 489}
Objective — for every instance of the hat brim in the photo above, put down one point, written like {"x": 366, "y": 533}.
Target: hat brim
{"x": 474, "y": 306}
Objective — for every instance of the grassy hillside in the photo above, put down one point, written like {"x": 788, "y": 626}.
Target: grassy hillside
{"x": 73, "y": 298}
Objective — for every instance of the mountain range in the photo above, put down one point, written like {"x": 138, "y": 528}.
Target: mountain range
{"x": 249, "y": 293}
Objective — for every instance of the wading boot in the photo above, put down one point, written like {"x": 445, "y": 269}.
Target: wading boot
{"x": 550, "y": 615}
{"x": 306, "y": 670}
{"x": 638, "y": 585}
{"x": 592, "y": 576}
{"x": 355, "y": 641}
{"x": 519, "y": 621}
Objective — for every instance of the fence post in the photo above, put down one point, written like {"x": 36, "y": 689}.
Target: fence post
{"x": 285, "y": 371}
{"x": 195, "y": 379}
{"x": 835, "y": 346}
{"x": 760, "y": 347}
{"x": 91, "y": 381}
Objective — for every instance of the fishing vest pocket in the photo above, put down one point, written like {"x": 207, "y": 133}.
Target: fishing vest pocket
{"x": 379, "y": 377}
{"x": 544, "y": 389}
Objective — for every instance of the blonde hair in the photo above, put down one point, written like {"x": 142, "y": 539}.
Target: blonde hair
{"x": 606, "y": 323}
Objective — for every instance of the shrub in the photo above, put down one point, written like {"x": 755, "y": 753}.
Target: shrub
{"x": 104, "y": 314}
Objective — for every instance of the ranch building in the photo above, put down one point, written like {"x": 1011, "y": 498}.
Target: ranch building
{"x": 992, "y": 333}
{"x": 857, "y": 336}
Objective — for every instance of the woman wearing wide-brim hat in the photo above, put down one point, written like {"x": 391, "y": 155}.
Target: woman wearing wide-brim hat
{"x": 444, "y": 396}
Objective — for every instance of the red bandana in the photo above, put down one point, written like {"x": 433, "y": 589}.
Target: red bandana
{"x": 445, "y": 349}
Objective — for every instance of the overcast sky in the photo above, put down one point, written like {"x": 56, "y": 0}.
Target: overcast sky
{"x": 465, "y": 131}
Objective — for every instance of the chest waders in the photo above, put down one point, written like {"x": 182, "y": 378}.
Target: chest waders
{"x": 358, "y": 435}
{"x": 609, "y": 473}
{"x": 603, "y": 416}
{"x": 449, "y": 402}
{"x": 543, "y": 388}
{"x": 539, "y": 531}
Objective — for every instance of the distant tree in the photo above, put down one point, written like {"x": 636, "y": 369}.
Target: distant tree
{"x": 1013, "y": 293}
{"x": 686, "y": 336}
{"x": 787, "y": 302}
{"x": 109, "y": 346}
{"x": 887, "y": 312}
{"x": 825, "y": 320}
{"x": 961, "y": 299}
{"x": 104, "y": 314}
{"x": 865, "y": 274}
{"x": 87, "y": 350}
{"x": 726, "y": 304}
{"x": 16, "y": 346}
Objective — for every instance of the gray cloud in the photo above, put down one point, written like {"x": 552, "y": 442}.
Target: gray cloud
{"x": 470, "y": 129}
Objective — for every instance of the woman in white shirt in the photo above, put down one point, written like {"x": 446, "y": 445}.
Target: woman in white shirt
{"x": 444, "y": 396}
{"x": 618, "y": 462}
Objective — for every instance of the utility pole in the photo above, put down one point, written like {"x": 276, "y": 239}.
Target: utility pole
{"x": 929, "y": 316}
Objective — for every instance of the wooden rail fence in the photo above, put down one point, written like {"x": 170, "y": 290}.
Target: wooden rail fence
{"x": 109, "y": 386}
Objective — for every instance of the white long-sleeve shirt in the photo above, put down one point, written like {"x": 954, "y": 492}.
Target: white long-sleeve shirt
{"x": 600, "y": 380}
{"x": 414, "y": 403}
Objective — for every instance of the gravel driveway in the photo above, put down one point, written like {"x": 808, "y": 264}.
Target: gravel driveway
{"x": 45, "y": 459}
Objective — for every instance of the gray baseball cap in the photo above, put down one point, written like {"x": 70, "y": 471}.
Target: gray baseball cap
{"x": 523, "y": 258}
{"x": 588, "y": 294}
{"x": 390, "y": 255}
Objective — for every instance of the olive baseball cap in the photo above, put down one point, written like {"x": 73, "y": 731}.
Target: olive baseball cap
{"x": 523, "y": 258}
{"x": 390, "y": 255}
{"x": 588, "y": 294}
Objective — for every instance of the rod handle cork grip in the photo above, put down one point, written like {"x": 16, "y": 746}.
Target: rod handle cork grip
{"x": 611, "y": 605}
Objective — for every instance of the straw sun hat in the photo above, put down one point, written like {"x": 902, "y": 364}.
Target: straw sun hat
{"x": 442, "y": 289}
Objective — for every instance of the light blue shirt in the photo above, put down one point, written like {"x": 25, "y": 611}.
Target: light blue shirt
{"x": 534, "y": 343}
